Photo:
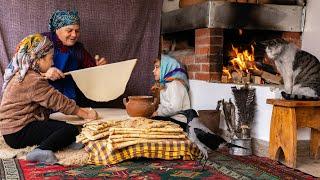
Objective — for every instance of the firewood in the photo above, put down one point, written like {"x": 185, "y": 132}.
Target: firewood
{"x": 236, "y": 77}
{"x": 268, "y": 77}
{"x": 256, "y": 79}
{"x": 266, "y": 67}
{"x": 255, "y": 72}
{"x": 224, "y": 79}
{"x": 246, "y": 79}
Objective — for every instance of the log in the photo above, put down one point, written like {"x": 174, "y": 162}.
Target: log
{"x": 246, "y": 79}
{"x": 266, "y": 67}
{"x": 256, "y": 79}
{"x": 224, "y": 79}
{"x": 271, "y": 78}
{"x": 236, "y": 77}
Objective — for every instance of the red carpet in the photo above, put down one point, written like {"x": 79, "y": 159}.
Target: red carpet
{"x": 221, "y": 166}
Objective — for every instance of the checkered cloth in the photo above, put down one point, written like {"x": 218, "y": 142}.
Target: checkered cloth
{"x": 168, "y": 150}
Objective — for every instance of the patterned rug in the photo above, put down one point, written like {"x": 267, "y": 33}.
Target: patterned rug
{"x": 220, "y": 166}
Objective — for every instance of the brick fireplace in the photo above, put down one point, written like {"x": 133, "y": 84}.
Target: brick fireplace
{"x": 205, "y": 58}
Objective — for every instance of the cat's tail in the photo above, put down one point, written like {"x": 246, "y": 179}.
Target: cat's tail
{"x": 298, "y": 97}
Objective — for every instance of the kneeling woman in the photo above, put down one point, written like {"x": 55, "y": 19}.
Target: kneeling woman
{"x": 27, "y": 96}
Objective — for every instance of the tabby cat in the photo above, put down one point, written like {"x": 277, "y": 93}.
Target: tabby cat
{"x": 300, "y": 70}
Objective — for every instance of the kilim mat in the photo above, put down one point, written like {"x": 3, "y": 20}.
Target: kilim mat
{"x": 221, "y": 166}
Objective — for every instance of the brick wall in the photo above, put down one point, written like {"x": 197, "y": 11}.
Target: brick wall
{"x": 209, "y": 53}
{"x": 294, "y": 37}
{"x": 204, "y": 62}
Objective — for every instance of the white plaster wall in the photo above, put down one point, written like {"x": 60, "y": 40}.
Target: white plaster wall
{"x": 205, "y": 95}
{"x": 311, "y": 34}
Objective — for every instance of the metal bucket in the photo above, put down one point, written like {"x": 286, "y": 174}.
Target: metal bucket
{"x": 243, "y": 142}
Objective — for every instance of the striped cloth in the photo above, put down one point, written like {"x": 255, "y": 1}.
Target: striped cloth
{"x": 168, "y": 150}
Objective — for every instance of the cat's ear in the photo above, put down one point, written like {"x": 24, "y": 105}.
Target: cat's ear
{"x": 264, "y": 43}
{"x": 269, "y": 42}
{"x": 273, "y": 42}
{"x": 280, "y": 41}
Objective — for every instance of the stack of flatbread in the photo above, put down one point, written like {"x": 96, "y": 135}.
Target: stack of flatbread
{"x": 95, "y": 130}
{"x": 113, "y": 141}
{"x": 124, "y": 133}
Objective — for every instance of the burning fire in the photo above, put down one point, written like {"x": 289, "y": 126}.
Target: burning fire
{"x": 241, "y": 62}
{"x": 226, "y": 72}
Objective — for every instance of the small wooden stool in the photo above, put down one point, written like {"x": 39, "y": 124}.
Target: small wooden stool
{"x": 287, "y": 117}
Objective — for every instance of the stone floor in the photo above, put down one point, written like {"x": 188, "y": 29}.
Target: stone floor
{"x": 308, "y": 165}
{"x": 304, "y": 162}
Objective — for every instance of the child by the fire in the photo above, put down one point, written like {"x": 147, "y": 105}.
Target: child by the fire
{"x": 172, "y": 82}
{"x": 27, "y": 96}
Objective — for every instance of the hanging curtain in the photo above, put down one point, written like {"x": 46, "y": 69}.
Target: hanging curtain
{"x": 117, "y": 30}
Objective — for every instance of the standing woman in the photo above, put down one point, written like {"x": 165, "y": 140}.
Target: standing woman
{"x": 69, "y": 54}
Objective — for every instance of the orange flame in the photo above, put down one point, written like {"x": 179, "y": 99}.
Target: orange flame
{"x": 240, "y": 32}
{"x": 243, "y": 60}
{"x": 226, "y": 72}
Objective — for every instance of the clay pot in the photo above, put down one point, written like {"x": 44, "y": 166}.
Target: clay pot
{"x": 283, "y": 2}
{"x": 252, "y": 1}
{"x": 185, "y": 3}
{"x": 242, "y": 1}
{"x": 140, "y": 106}
{"x": 265, "y": 1}
{"x": 211, "y": 119}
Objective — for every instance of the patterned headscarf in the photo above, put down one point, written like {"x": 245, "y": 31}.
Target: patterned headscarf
{"x": 28, "y": 52}
{"x": 171, "y": 69}
{"x": 61, "y": 18}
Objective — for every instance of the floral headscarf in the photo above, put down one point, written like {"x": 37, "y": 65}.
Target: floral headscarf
{"x": 171, "y": 69}
{"x": 28, "y": 51}
{"x": 61, "y": 18}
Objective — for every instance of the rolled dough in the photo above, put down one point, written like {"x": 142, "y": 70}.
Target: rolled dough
{"x": 106, "y": 82}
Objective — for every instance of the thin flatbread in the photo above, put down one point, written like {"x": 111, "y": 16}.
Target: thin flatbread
{"x": 106, "y": 82}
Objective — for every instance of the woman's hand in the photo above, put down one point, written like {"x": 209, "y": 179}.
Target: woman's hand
{"x": 53, "y": 74}
{"x": 100, "y": 61}
{"x": 154, "y": 114}
{"x": 87, "y": 113}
